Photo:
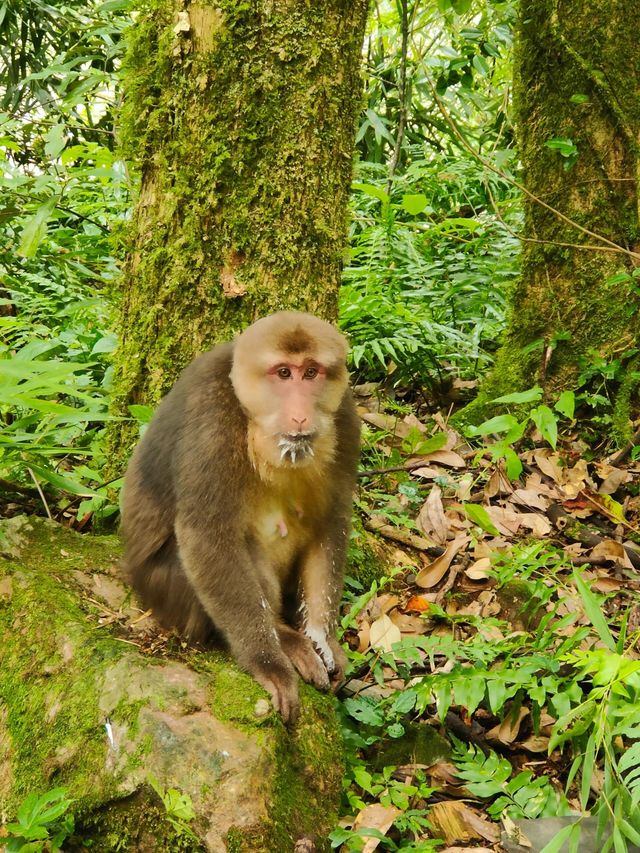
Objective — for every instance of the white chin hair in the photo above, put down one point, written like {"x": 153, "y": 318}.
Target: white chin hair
{"x": 295, "y": 448}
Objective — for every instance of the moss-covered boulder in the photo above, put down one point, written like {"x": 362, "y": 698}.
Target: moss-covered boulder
{"x": 91, "y": 702}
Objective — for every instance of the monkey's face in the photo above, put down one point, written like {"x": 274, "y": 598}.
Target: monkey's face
{"x": 290, "y": 380}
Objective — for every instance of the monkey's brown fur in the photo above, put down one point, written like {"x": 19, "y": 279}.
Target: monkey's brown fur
{"x": 230, "y": 532}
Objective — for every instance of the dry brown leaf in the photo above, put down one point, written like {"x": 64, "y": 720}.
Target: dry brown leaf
{"x": 576, "y": 479}
{"x": 530, "y": 498}
{"x": 435, "y": 571}
{"x": 538, "y": 524}
{"x": 535, "y": 743}
{"x": 389, "y": 423}
{"x": 615, "y": 478}
{"x": 506, "y": 520}
{"x": 412, "y": 422}
{"x": 507, "y": 731}
{"x": 605, "y": 585}
{"x": 446, "y": 457}
{"x": 387, "y": 601}
{"x": 383, "y": 634}
{"x": 491, "y": 633}
{"x": 464, "y": 487}
{"x": 456, "y": 822}
{"x": 472, "y": 609}
{"x": 498, "y": 484}
{"x": 479, "y": 570}
{"x": 431, "y": 519}
{"x": 548, "y": 463}
{"x": 613, "y": 551}
{"x": 534, "y": 482}
{"x": 363, "y": 637}
{"x": 375, "y": 816}
{"x": 445, "y": 773}
{"x": 426, "y": 473}
{"x": 408, "y": 624}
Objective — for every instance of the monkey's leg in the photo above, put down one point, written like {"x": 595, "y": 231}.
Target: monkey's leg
{"x": 321, "y": 587}
{"x": 162, "y": 584}
{"x": 219, "y": 568}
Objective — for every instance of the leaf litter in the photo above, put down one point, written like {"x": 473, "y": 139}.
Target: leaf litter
{"x": 465, "y": 518}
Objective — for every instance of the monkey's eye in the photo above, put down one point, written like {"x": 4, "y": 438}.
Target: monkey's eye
{"x": 284, "y": 372}
{"x": 311, "y": 373}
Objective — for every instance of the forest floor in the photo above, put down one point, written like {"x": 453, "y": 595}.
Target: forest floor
{"x": 507, "y": 620}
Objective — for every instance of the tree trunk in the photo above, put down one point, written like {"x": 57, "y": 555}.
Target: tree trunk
{"x": 577, "y": 82}
{"x": 241, "y": 116}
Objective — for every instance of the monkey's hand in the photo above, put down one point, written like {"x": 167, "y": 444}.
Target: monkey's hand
{"x": 303, "y": 656}
{"x": 280, "y": 680}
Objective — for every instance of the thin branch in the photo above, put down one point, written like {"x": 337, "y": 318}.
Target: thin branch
{"x": 41, "y": 493}
{"x": 522, "y": 239}
{"x": 402, "y": 93}
{"x": 626, "y": 450}
{"x": 83, "y": 218}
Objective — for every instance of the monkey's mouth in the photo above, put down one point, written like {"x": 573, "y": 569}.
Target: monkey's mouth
{"x": 295, "y": 445}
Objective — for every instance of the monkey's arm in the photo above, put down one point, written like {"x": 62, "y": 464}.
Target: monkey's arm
{"x": 220, "y": 571}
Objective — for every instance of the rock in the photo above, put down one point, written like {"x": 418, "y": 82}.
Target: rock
{"x": 533, "y": 835}
{"x": 84, "y": 708}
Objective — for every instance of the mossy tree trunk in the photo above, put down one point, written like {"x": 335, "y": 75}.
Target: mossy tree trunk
{"x": 241, "y": 117}
{"x": 577, "y": 79}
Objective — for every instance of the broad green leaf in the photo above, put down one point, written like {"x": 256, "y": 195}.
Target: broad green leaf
{"x": 619, "y": 278}
{"x": 379, "y": 127}
{"x": 480, "y": 64}
{"x": 629, "y": 832}
{"x": 612, "y": 506}
{"x": 557, "y": 842}
{"x": 372, "y": 190}
{"x": 477, "y": 514}
{"x": 141, "y": 413}
{"x": 414, "y": 204}
{"x": 106, "y": 344}
{"x": 55, "y": 141}
{"x": 35, "y": 228}
{"x": 513, "y": 464}
{"x": 587, "y": 770}
{"x": 630, "y": 758}
{"x": 566, "y": 404}
{"x": 546, "y": 422}
{"x": 63, "y": 482}
{"x": 460, "y": 7}
{"x": 593, "y": 610}
{"x": 436, "y": 442}
{"x": 501, "y": 423}
{"x": 532, "y": 395}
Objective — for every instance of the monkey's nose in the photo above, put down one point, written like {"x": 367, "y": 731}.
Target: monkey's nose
{"x": 300, "y": 423}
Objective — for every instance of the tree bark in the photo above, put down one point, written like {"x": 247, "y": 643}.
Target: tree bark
{"x": 241, "y": 117}
{"x": 576, "y": 79}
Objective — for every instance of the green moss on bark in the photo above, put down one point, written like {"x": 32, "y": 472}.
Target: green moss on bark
{"x": 240, "y": 117}
{"x": 574, "y": 81}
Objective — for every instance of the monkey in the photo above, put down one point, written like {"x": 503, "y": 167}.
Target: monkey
{"x": 237, "y": 502}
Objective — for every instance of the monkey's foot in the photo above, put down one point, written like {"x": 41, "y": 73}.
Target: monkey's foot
{"x": 303, "y": 656}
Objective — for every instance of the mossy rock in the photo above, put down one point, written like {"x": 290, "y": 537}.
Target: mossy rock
{"x": 82, "y": 707}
